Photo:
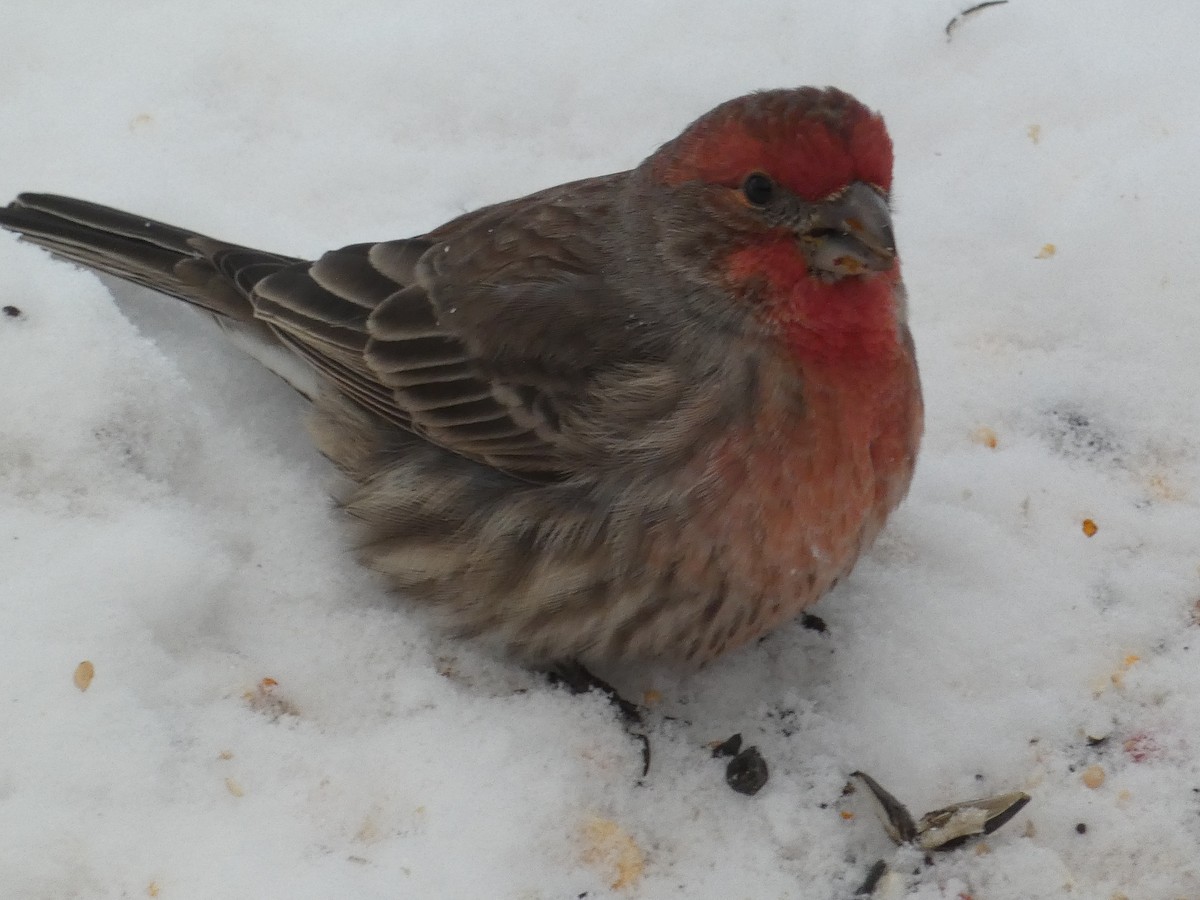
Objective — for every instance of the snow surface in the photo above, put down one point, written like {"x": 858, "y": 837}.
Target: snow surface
{"x": 163, "y": 516}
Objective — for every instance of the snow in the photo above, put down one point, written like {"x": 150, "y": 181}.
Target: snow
{"x": 163, "y": 516}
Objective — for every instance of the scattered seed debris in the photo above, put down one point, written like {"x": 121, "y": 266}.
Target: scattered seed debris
{"x": 1082, "y": 435}
{"x": 644, "y": 742}
{"x": 874, "y": 874}
{"x": 813, "y": 623}
{"x": 948, "y": 827}
{"x": 728, "y": 747}
{"x": 986, "y": 436}
{"x": 1141, "y": 747}
{"x": 265, "y": 698}
{"x": 747, "y": 772}
{"x": 84, "y": 673}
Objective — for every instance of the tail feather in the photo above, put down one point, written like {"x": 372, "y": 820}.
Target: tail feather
{"x": 211, "y": 274}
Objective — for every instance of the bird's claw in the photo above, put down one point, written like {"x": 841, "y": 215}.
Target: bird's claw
{"x": 576, "y": 678}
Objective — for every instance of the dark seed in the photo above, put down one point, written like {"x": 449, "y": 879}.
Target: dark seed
{"x": 747, "y": 772}
{"x": 1081, "y": 828}
{"x": 813, "y": 623}
{"x": 728, "y": 747}
{"x": 645, "y": 742}
{"x": 867, "y": 888}
{"x": 12, "y": 312}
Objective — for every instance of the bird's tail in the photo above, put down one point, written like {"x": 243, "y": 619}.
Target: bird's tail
{"x": 212, "y": 274}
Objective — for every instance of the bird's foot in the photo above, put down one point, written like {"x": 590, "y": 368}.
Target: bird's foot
{"x": 576, "y": 678}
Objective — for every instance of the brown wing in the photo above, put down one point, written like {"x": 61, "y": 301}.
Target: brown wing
{"x": 495, "y": 337}
{"x": 483, "y": 337}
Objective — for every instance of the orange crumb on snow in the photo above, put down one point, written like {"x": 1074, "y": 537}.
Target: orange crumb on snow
{"x": 84, "y": 672}
{"x": 986, "y": 436}
{"x": 610, "y": 849}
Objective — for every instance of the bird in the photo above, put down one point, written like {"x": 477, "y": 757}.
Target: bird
{"x": 645, "y": 416}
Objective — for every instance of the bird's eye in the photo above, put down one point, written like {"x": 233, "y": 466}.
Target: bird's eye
{"x": 758, "y": 188}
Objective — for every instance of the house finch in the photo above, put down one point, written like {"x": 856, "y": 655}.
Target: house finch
{"x": 649, "y": 414}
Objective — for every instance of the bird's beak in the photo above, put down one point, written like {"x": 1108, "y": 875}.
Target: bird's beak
{"x": 850, "y": 234}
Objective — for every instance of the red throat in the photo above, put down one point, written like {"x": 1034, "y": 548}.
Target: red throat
{"x": 850, "y": 324}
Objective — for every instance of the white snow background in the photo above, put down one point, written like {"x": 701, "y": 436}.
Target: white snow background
{"x": 163, "y": 516}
